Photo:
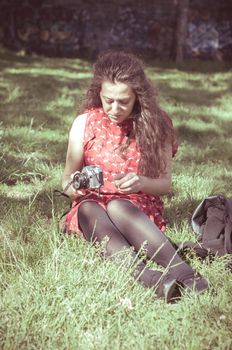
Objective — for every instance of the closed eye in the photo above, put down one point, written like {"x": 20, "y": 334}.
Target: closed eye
{"x": 124, "y": 102}
{"x": 109, "y": 100}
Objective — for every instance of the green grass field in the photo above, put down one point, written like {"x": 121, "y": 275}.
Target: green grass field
{"x": 59, "y": 293}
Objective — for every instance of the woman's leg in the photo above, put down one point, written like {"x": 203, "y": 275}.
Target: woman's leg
{"x": 97, "y": 226}
{"x": 139, "y": 230}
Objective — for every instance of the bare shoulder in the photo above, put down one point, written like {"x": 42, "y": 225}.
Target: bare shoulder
{"x": 78, "y": 127}
{"x": 79, "y": 122}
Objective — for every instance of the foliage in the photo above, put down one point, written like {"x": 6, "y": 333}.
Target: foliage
{"x": 58, "y": 292}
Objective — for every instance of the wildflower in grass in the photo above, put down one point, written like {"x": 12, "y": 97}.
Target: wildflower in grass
{"x": 126, "y": 304}
{"x": 222, "y": 317}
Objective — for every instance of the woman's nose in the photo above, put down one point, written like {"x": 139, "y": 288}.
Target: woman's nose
{"x": 115, "y": 107}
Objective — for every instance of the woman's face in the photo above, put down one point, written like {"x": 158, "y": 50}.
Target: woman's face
{"x": 117, "y": 100}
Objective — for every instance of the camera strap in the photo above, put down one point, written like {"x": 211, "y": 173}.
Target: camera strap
{"x": 62, "y": 193}
{"x": 67, "y": 187}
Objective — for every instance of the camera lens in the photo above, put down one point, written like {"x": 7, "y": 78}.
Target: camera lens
{"x": 84, "y": 181}
{"x": 76, "y": 181}
{"x": 80, "y": 181}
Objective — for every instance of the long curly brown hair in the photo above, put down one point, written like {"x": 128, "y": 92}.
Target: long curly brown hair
{"x": 151, "y": 129}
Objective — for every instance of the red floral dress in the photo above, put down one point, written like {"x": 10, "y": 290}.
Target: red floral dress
{"x": 102, "y": 139}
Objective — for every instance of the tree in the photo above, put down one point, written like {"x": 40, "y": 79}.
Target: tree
{"x": 182, "y": 7}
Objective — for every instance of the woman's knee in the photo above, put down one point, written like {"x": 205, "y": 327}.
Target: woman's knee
{"x": 120, "y": 207}
{"x": 84, "y": 208}
{"x": 87, "y": 208}
{"x": 115, "y": 205}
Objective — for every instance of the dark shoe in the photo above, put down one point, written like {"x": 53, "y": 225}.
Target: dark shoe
{"x": 168, "y": 289}
{"x": 196, "y": 284}
{"x": 164, "y": 284}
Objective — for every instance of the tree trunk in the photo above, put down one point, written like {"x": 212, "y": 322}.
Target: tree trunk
{"x": 181, "y": 29}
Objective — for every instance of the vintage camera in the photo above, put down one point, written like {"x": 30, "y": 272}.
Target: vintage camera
{"x": 91, "y": 177}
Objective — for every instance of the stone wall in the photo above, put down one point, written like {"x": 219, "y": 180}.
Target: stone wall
{"x": 75, "y": 27}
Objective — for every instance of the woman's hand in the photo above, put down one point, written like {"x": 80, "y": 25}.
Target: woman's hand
{"x": 70, "y": 190}
{"x": 129, "y": 183}
{"x": 134, "y": 183}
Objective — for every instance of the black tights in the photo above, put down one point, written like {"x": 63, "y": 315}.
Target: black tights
{"x": 122, "y": 225}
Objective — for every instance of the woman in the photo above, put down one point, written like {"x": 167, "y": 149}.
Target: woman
{"x": 122, "y": 130}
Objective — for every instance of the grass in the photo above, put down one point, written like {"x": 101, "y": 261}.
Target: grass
{"x": 59, "y": 293}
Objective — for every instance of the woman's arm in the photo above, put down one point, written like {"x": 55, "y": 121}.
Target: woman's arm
{"x": 133, "y": 183}
{"x": 75, "y": 154}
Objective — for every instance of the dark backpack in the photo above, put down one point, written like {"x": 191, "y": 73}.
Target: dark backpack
{"x": 212, "y": 222}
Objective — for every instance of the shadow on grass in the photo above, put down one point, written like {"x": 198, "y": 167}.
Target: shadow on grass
{"x": 2, "y": 93}
{"x": 198, "y": 137}
{"x": 198, "y": 66}
{"x": 208, "y": 128}
{"x": 191, "y": 97}
{"x": 41, "y": 119}
{"x": 38, "y": 147}
{"x": 46, "y": 204}
{"x": 207, "y": 153}
{"x": 47, "y": 100}
{"x": 44, "y": 85}
{"x": 181, "y": 211}
{"x": 9, "y": 58}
